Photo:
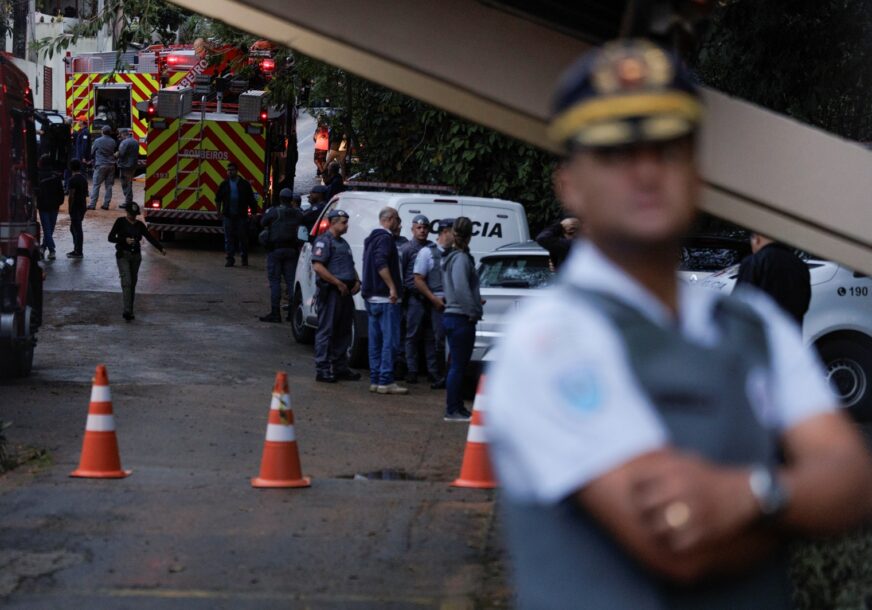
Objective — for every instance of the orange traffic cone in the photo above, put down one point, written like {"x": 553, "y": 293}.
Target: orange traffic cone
{"x": 280, "y": 466}
{"x": 100, "y": 459}
{"x": 476, "y": 471}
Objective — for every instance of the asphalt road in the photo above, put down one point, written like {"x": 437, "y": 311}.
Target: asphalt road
{"x": 191, "y": 379}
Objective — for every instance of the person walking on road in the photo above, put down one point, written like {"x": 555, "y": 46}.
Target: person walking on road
{"x": 382, "y": 289}
{"x": 658, "y": 444}
{"x": 463, "y": 309}
{"x": 103, "y": 152}
{"x": 128, "y": 157}
{"x": 415, "y": 309}
{"x": 321, "y": 137}
{"x": 127, "y": 234}
{"x": 77, "y": 205}
{"x": 776, "y": 270}
{"x": 234, "y": 199}
{"x": 50, "y": 197}
{"x": 428, "y": 282}
{"x": 337, "y": 284}
{"x": 283, "y": 250}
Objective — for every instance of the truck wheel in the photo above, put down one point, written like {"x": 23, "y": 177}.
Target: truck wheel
{"x": 302, "y": 333}
{"x": 848, "y": 363}
{"x": 23, "y": 355}
{"x": 357, "y": 354}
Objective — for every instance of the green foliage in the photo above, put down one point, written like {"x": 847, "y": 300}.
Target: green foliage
{"x": 833, "y": 574}
{"x": 404, "y": 140}
{"x": 809, "y": 59}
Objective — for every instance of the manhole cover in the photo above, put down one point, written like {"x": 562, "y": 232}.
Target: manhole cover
{"x": 385, "y": 474}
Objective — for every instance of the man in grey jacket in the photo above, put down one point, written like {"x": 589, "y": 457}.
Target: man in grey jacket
{"x": 103, "y": 153}
{"x": 128, "y": 156}
{"x": 462, "y": 311}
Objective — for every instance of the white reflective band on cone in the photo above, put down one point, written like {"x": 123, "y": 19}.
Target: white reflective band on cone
{"x": 100, "y": 423}
{"x": 476, "y": 434}
{"x": 101, "y": 393}
{"x": 280, "y": 402}
{"x": 478, "y": 404}
{"x": 280, "y": 434}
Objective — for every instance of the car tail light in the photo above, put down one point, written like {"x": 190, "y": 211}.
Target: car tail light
{"x": 321, "y": 227}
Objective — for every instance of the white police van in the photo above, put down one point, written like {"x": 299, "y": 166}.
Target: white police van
{"x": 838, "y": 323}
{"x": 496, "y": 222}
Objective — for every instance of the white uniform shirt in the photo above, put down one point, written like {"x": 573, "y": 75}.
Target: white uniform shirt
{"x": 564, "y": 407}
{"x": 424, "y": 265}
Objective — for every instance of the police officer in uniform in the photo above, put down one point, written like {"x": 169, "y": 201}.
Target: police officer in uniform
{"x": 337, "y": 283}
{"x": 428, "y": 283}
{"x": 657, "y": 443}
{"x": 415, "y": 310}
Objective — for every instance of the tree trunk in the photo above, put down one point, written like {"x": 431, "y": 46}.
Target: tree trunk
{"x": 19, "y": 29}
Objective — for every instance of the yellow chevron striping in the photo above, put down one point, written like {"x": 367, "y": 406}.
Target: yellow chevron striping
{"x": 237, "y": 152}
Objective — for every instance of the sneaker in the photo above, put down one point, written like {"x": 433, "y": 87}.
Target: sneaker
{"x": 411, "y": 377}
{"x": 122, "y": 206}
{"x": 128, "y": 316}
{"x": 439, "y": 384}
{"x": 271, "y": 317}
{"x": 104, "y": 207}
{"x": 347, "y": 375}
{"x": 391, "y": 389}
{"x": 373, "y": 387}
{"x": 245, "y": 261}
{"x": 229, "y": 262}
{"x": 325, "y": 378}
{"x": 75, "y": 255}
{"x": 460, "y": 416}
{"x": 51, "y": 255}
{"x": 91, "y": 207}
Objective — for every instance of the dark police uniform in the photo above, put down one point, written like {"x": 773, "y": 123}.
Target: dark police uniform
{"x": 779, "y": 272}
{"x": 596, "y": 373}
{"x": 335, "y": 312}
{"x": 416, "y": 308}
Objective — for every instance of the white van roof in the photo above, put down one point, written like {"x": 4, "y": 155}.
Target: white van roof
{"x": 396, "y": 199}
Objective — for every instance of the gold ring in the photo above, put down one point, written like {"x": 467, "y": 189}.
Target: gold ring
{"x": 677, "y": 515}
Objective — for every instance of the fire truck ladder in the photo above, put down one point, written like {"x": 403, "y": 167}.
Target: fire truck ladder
{"x": 85, "y": 95}
{"x": 181, "y": 144}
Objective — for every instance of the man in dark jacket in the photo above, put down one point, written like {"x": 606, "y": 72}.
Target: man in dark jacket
{"x": 49, "y": 200}
{"x": 776, "y": 270}
{"x": 557, "y": 239}
{"x": 382, "y": 291}
{"x": 283, "y": 250}
{"x": 234, "y": 199}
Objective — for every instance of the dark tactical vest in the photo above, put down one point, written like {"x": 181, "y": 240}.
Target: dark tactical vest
{"x": 434, "y": 278}
{"x": 410, "y": 251}
{"x": 564, "y": 558}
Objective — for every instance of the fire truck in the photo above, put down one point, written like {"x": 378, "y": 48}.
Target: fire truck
{"x": 190, "y": 145}
{"x": 115, "y": 89}
{"x": 20, "y": 272}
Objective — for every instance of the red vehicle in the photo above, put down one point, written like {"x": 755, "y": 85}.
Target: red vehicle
{"x": 20, "y": 273}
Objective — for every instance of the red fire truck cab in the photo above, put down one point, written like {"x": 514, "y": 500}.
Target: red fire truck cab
{"x": 20, "y": 273}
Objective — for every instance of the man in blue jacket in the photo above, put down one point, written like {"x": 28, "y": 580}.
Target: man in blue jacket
{"x": 381, "y": 288}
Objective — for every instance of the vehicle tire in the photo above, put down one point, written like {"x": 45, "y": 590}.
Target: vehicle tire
{"x": 358, "y": 357}
{"x": 23, "y": 358}
{"x": 848, "y": 364}
{"x": 302, "y": 333}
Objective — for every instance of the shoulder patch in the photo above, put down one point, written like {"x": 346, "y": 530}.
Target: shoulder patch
{"x": 581, "y": 389}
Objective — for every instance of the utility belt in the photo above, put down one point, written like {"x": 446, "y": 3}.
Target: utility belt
{"x": 324, "y": 288}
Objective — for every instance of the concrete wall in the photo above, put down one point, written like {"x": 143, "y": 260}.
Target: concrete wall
{"x": 44, "y": 26}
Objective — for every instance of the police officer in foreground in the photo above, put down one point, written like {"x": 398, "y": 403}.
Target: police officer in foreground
{"x": 428, "y": 283}
{"x": 415, "y": 310}
{"x": 658, "y": 444}
{"x": 337, "y": 283}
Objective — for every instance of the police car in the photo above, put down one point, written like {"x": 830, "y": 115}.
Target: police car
{"x": 496, "y": 222}
{"x": 838, "y": 323}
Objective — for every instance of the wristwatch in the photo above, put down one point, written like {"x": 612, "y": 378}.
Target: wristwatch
{"x": 772, "y": 497}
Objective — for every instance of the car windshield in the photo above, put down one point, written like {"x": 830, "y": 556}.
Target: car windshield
{"x": 515, "y": 272}
{"x": 709, "y": 258}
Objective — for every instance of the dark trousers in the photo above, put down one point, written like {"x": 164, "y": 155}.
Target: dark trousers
{"x": 127, "y": 174}
{"x": 236, "y": 236}
{"x": 48, "y": 220}
{"x": 333, "y": 337}
{"x": 461, "y": 339}
{"x": 76, "y": 231}
{"x": 418, "y": 328}
{"x": 128, "y": 270}
{"x": 438, "y": 339}
{"x": 281, "y": 263}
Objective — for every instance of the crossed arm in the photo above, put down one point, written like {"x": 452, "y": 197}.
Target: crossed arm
{"x": 828, "y": 476}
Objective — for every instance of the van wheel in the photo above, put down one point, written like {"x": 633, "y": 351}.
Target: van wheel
{"x": 358, "y": 357}
{"x": 848, "y": 363}
{"x": 302, "y": 333}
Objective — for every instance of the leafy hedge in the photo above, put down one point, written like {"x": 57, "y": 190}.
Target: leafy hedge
{"x": 834, "y": 574}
